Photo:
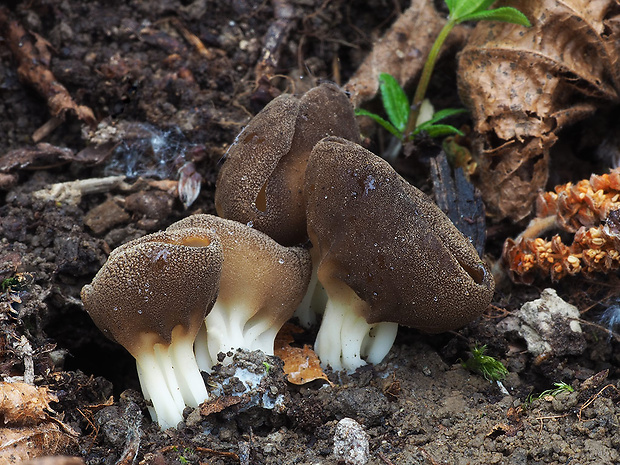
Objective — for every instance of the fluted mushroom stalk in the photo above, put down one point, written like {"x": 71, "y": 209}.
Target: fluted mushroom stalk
{"x": 261, "y": 285}
{"x": 387, "y": 255}
{"x": 152, "y": 296}
{"x": 261, "y": 181}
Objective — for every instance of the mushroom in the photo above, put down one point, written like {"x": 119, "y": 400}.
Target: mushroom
{"x": 261, "y": 182}
{"x": 262, "y": 283}
{"x": 387, "y": 256}
{"x": 151, "y": 296}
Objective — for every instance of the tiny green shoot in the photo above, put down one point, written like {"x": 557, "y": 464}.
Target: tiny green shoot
{"x": 9, "y": 283}
{"x": 267, "y": 367}
{"x": 397, "y": 108}
{"x": 403, "y": 116}
{"x": 485, "y": 365}
{"x": 559, "y": 388}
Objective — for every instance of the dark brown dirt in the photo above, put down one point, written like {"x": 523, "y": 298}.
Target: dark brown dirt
{"x": 155, "y": 96}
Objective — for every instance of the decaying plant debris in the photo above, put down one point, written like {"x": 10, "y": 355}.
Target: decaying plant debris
{"x": 164, "y": 77}
{"x": 523, "y": 86}
{"x": 591, "y": 210}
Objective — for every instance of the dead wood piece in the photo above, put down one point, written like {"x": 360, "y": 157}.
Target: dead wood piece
{"x": 220, "y": 403}
{"x": 38, "y": 157}
{"x": 458, "y": 199}
{"x": 275, "y": 38}
{"x": 33, "y": 56}
{"x": 133, "y": 420}
{"x": 71, "y": 192}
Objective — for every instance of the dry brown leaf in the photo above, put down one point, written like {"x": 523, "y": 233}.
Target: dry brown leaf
{"x": 28, "y": 442}
{"x": 22, "y": 404}
{"x": 523, "y": 84}
{"x": 301, "y": 365}
{"x": 402, "y": 51}
{"x": 220, "y": 403}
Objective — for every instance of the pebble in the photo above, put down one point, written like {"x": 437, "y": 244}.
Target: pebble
{"x": 351, "y": 442}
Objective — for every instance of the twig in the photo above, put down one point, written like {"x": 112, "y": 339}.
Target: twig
{"x": 23, "y": 349}
{"x": 219, "y": 453}
{"x": 609, "y": 332}
{"x": 593, "y": 398}
{"x": 550, "y": 417}
{"x": 72, "y": 191}
{"x": 428, "y": 457}
{"x": 33, "y": 57}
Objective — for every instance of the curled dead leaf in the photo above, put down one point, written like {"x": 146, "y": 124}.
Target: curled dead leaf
{"x": 301, "y": 365}
{"x": 28, "y": 442}
{"x": 22, "y": 404}
{"x": 31, "y": 432}
{"x": 523, "y": 85}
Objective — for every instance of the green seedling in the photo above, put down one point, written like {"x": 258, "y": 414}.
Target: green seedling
{"x": 267, "y": 367}
{"x": 9, "y": 283}
{"x": 403, "y": 117}
{"x": 485, "y": 365}
{"x": 559, "y": 388}
{"x": 398, "y": 109}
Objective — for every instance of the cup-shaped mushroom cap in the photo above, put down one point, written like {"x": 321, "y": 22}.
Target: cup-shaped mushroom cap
{"x": 389, "y": 243}
{"x": 262, "y": 178}
{"x": 153, "y": 284}
{"x": 259, "y": 276}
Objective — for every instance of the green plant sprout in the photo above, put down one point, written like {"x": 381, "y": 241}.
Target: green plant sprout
{"x": 559, "y": 388}
{"x": 490, "y": 368}
{"x": 398, "y": 110}
{"x": 403, "y": 116}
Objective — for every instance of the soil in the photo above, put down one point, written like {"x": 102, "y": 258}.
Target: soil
{"x": 159, "y": 102}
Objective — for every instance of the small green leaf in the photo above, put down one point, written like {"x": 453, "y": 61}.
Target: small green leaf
{"x": 465, "y": 7}
{"x": 451, "y": 4}
{"x": 485, "y": 4}
{"x": 446, "y": 113}
{"x": 506, "y": 14}
{"x": 377, "y": 119}
{"x": 437, "y": 130}
{"x": 395, "y": 101}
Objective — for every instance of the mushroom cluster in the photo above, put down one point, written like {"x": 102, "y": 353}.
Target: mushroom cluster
{"x": 383, "y": 251}
{"x": 176, "y": 299}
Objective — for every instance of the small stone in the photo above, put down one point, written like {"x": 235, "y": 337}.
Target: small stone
{"x": 351, "y": 442}
{"x": 105, "y": 216}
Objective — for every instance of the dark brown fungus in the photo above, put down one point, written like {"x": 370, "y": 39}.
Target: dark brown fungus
{"x": 387, "y": 255}
{"x": 261, "y": 181}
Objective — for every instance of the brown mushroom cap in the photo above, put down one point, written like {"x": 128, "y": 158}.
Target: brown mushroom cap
{"x": 262, "y": 179}
{"x": 153, "y": 284}
{"x": 264, "y": 278}
{"x": 390, "y": 243}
